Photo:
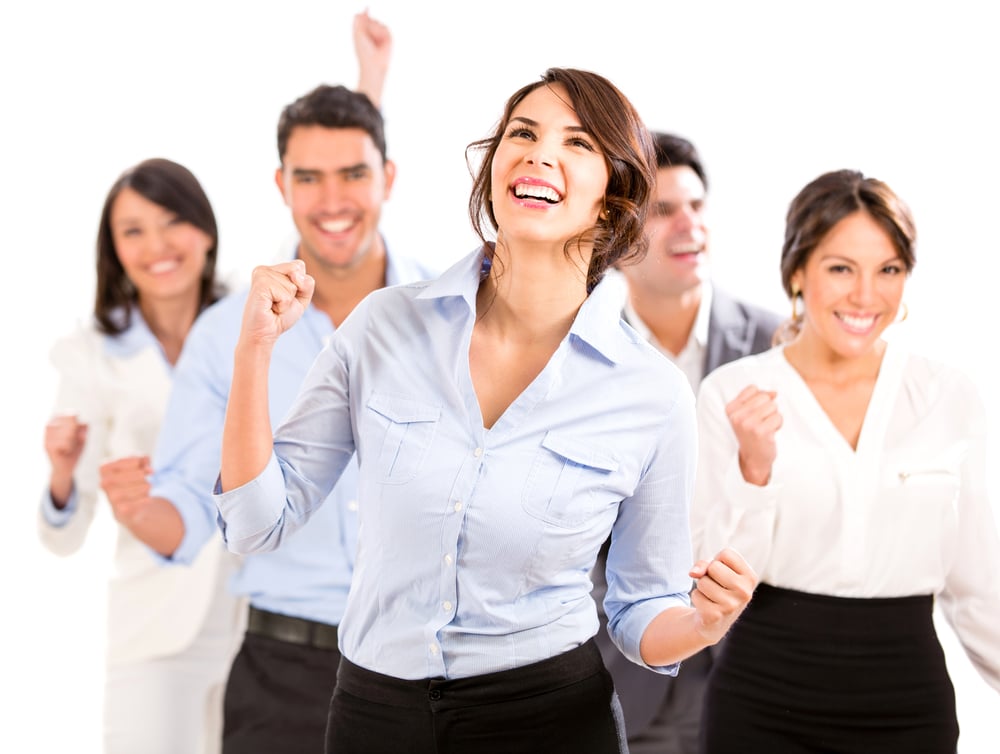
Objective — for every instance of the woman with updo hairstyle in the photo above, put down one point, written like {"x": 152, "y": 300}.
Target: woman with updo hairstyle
{"x": 850, "y": 472}
{"x": 171, "y": 631}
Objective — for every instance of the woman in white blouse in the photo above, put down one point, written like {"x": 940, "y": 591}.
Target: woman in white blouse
{"x": 171, "y": 631}
{"x": 850, "y": 474}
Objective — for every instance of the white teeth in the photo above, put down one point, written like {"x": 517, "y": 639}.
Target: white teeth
{"x": 532, "y": 191}
{"x": 857, "y": 323}
{"x": 336, "y": 226}
{"x": 164, "y": 265}
{"x": 688, "y": 249}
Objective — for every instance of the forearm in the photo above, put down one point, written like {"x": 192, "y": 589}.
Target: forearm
{"x": 672, "y": 636}
{"x": 247, "y": 439}
{"x": 158, "y": 525}
{"x": 60, "y": 488}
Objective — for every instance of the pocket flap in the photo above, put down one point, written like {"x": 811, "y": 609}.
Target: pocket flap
{"x": 403, "y": 410}
{"x": 581, "y": 453}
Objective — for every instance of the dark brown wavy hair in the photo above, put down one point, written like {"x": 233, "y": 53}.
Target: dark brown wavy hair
{"x": 823, "y": 203}
{"x": 173, "y": 187}
{"x": 608, "y": 116}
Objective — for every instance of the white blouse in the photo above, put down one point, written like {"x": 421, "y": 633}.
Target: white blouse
{"x": 906, "y": 513}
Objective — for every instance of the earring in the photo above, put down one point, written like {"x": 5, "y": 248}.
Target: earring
{"x": 795, "y": 302}
{"x": 906, "y": 312}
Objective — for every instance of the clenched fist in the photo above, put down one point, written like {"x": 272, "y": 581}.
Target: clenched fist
{"x": 65, "y": 437}
{"x": 279, "y": 294}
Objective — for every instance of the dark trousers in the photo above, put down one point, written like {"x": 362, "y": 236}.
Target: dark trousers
{"x": 565, "y": 704}
{"x": 277, "y": 697}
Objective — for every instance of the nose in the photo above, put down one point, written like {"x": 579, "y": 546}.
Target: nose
{"x": 539, "y": 155}
{"x": 863, "y": 291}
{"x": 686, "y": 218}
{"x": 159, "y": 239}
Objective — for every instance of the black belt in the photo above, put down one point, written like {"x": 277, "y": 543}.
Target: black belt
{"x": 287, "y": 628}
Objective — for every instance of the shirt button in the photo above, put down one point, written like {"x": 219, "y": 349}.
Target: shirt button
{"x": 353, "y": 505}
{"x": 477, "y": 452}
{"x": 446, "y": 605}
{"x": 458, "y": 506}
{"x": 448, "y": 559}
{"x": 434, "y": 695}
{"x": 433, "y": 648}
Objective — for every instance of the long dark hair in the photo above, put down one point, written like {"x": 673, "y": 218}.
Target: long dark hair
{"x": 173, "y": 187}
{"x": 608, "y": 116}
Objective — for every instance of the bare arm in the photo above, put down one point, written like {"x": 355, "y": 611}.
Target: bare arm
{"x": 278, "y": 297}
{"x": 723, "y": 589}
{"x": 373, "y": 47}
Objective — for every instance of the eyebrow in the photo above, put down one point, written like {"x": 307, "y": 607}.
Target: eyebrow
{"x": 828, "y": 257}
{"x": 530, "y": 122}
{"x": 297, "y": 172}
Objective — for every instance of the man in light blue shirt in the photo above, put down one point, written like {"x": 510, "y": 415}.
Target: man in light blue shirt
{"x": 334, "y": 177}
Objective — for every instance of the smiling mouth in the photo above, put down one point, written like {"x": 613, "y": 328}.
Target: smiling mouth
{"x": 857, "y": 324}
{"x": 337, "y": 225}
{"x": 163, "y": 266}
{"x": 536, "y": 192}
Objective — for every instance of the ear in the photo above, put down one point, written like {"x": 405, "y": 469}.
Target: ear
{"x": 389, "y": 172}
{"x": 796, "y": 282}
{"x": 279, "y": 181}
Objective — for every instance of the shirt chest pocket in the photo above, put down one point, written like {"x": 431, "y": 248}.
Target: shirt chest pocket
{"x": 565, "y": 480}
{"x": 407, "y": 430}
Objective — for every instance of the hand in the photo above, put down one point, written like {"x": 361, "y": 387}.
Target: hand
{"x": 723, "y": 588}
{"x": 755, "y": 419}
{"x": 65, "y": 437}
{"x": 373, "y": 48}
{"x": 278, "y": 296}
{"x": 125, "y": 482}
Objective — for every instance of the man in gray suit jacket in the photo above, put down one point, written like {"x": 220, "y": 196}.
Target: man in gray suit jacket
{"x": 672, "y": 303}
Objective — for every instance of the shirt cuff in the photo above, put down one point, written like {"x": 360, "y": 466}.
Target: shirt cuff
{"x": 59, "y": 517}
{"x": 248, "y": 514}
{"x": 748, "y": 495}
{"x": 632, "y": 628}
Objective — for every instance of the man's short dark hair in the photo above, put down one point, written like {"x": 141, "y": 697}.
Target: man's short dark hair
{"x": 674, "y": 151}
{"x": 332, "y": 107}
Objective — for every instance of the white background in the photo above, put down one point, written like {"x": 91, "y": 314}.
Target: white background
{"x": 773, "y": 93}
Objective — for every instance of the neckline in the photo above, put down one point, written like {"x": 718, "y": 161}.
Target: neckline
{"x": 877, "y": 412}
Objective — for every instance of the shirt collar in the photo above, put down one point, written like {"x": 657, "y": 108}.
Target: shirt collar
{"x": 136, "y": 338}
{"x": 598, "y": 323}
{"x": 700, "y": 330}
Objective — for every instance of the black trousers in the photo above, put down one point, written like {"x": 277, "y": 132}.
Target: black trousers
{"x": 565, "y": 704}
{"x": 277, "y": 697}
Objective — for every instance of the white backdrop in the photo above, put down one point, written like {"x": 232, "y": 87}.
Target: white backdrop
{"x": 773, "y": 93}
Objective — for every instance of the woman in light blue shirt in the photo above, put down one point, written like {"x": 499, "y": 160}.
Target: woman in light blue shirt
{"x": 505, "y": 421}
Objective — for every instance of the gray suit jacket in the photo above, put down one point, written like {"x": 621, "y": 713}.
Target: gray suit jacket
{"x": 735, "y": 329}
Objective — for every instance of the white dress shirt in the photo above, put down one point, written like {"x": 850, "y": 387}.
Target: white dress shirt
{"x": 476, "y": 545}
{"x": 691, "y": 359}
{"x": 906, "y": 513}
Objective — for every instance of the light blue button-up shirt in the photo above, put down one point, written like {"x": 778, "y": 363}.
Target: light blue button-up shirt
{"x": 476, "y": 544}
{"x": 308, "y": 577}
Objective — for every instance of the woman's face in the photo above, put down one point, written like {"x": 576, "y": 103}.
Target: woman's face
{"x": 548, "y": 176}
{"x": 852, "y": 286}
{"x": 162, "y": 255}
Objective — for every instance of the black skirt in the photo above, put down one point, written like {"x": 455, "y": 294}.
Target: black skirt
{"x": 803, "y": 672}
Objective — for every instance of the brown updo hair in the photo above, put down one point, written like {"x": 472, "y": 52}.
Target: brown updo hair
{"x": 823, "y": 203}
